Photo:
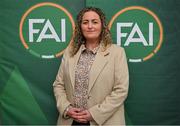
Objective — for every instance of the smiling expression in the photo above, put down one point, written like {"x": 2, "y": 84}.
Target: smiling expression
{"x": 91, "y": 26}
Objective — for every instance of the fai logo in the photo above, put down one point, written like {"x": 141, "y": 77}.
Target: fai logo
{"x": 46, "y": 30}
{"x": 139, "y": 31}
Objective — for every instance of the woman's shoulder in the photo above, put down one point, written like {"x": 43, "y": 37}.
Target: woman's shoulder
{"x": 67, "y": 51}
{"x": 115, "y": 48}
{"x": 117, "y": 51}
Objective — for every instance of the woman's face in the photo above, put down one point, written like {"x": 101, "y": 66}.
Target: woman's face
{"x": 91, "y": 26}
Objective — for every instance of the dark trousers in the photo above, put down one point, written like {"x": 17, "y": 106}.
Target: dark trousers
{"x": 80, "y": 124}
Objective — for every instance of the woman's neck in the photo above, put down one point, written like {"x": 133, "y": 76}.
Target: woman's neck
{"x": 91, "y": 44}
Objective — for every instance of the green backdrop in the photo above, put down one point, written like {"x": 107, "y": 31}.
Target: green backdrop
{"x": 26, "y": 94}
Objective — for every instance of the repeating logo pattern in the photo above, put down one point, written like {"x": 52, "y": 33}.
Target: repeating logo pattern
{"x": 139, "y": 31}
{"x": 46, "y": 30}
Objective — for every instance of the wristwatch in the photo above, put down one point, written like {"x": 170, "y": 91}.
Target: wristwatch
{"x": 66, "y": 110}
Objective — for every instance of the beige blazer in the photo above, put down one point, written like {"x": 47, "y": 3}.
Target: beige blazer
{"x": 108, "y": 86}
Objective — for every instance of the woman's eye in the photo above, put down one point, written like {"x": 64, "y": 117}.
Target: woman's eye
{"x": 84, "y": 22}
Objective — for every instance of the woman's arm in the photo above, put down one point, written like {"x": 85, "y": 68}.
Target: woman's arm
{"x": 59, "y": 88}
{"x": 101, "y": 112}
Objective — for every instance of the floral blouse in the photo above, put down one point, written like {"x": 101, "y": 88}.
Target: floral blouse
{"x": 82, "y": 76}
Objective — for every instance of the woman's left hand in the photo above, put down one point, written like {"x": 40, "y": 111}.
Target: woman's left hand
{"x": 84, "y": 116}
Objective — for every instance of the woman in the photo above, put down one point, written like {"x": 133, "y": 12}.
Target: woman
{"x": 92, "y": 82}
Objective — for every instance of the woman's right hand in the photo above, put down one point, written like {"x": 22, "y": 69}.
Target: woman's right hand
{"x": 77, "y": 113}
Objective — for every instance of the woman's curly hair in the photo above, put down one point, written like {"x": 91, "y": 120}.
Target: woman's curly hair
{"x": 79, "y": 39}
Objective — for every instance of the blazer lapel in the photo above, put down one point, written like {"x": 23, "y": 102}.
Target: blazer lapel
{"x": 99, "y": 63}
{"x": 72, "y": 65}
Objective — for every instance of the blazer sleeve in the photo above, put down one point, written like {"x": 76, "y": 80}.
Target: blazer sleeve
{"x": 101, "y": 112}
{"x": 59, "y": 89}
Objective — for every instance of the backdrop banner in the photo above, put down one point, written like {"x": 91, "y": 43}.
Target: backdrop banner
{"x": 34, "y": 34}
{"x": 148, "y": 30}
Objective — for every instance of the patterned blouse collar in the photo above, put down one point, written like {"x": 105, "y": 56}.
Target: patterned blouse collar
{"x": 94, "y": 51}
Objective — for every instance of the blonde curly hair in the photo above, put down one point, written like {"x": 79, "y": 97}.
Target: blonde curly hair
{"x": 79, "y": 39}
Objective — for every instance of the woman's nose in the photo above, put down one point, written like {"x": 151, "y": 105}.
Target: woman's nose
{"x": 89, "y": 25}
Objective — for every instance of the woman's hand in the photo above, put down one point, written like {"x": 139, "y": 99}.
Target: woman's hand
{"x": 79, "y": 115}
{"x": 73, "y": 112}
{"x": 84, "y": 116}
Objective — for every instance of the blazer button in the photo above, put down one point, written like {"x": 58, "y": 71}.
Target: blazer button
{"x": 89, "y": 97}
